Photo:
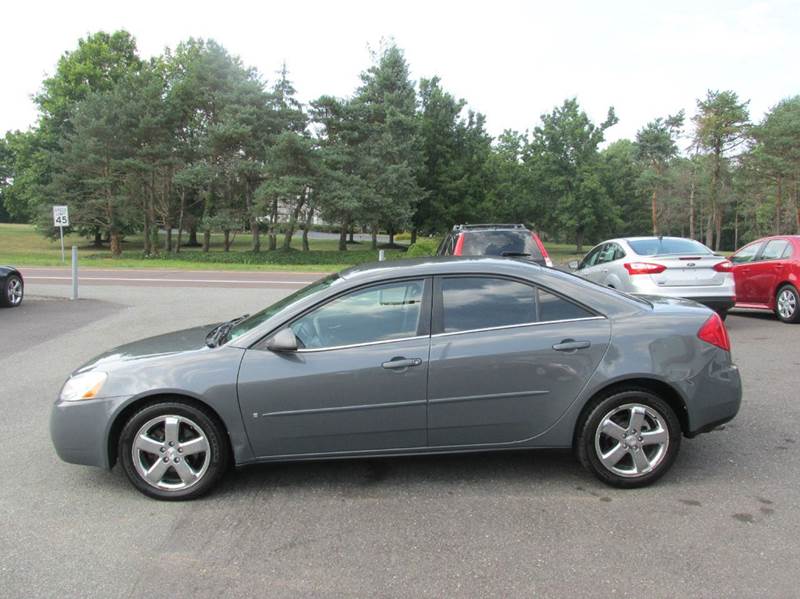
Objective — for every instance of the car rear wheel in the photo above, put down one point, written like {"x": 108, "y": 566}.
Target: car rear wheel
{"x": 787, "y": 304}
{"x": 629, "y": 439}
{"x": 11, "y": 292}
{"x": 173, "y": 450}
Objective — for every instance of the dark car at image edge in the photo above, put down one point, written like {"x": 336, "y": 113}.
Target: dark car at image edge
{"x": 12, "y": 287}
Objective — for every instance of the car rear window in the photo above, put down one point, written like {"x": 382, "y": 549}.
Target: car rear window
{"x": 661, "y": 247}
{"x": 500, "y": 243}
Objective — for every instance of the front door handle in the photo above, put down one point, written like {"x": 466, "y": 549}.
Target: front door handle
{"x": 571, "y": 345}
{"x": 401, "y": 363}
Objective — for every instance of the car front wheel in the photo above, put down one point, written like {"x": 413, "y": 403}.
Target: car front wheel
{"x": 173, "y": 450}
{"x": 629, "y": 439}
{"x": 787, "y": 304}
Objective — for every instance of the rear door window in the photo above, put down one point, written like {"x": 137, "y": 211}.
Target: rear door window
{"x": 774, "y": 249}
{"x": 471, "y": 303}
{"x": 607, "y": 254}
{"x": 553, "y": 307}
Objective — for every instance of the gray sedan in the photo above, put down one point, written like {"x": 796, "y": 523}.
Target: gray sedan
{"x": 423, "y": 356}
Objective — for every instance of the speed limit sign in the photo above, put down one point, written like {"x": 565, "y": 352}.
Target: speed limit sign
{"x": 61, "y": 220}
{"x": 61, "y": 216}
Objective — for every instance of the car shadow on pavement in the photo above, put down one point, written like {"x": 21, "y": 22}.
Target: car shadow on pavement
{"x": 374, "y": 475}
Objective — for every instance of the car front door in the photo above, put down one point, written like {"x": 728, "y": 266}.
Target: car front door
{"x": 357, "y": 382}
{"x": 507, "y": 359}
{"x": 587, "y": 267}
{"x": 743, "y": 269}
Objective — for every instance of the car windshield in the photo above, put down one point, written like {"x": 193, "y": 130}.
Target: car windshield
{"x": 267, "y": 313}
{"x": 500, "y": 243}
{"x": 665, "y": 246}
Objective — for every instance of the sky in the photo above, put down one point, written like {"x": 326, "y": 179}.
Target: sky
{"x": 510, "y": 60}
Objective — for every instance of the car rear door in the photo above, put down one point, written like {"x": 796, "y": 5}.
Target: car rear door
{"x": 357, "y": 383}
{"x": 767, "y": 270}
{"x": 507, "y": 359}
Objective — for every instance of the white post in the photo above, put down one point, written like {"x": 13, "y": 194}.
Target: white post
{"x": 381, "y": 255}
{"x": 61, "y": 231}
{"x": 74, "y": 272}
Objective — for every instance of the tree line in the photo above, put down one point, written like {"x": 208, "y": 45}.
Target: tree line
{"x": 194, "y": 142}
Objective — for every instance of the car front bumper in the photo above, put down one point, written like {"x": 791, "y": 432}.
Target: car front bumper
{"x": 80, "y": 429}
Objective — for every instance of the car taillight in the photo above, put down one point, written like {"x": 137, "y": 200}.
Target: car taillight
{"x": 724, "y": 266}
{"x": 540, "y": 245}
{"x": 459, "y": 245}
{"x": 644, "y": 268}
{"x": 715, "y": 333}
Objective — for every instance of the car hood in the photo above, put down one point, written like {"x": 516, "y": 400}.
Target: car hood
{"x": 177, "y": 342}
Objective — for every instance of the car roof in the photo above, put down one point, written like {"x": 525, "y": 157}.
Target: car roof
{"x": 646, "y": 237}
{"x": 490, "y": 227}
{"x": 430, "y": 265}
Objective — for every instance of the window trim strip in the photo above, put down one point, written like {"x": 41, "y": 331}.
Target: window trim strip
{"x": 517, "y": 326}
{"x": 365, "y": 344}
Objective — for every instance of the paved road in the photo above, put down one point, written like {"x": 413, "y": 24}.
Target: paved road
{"x": 725, "y": 522}
{"x": 169, "y": 278}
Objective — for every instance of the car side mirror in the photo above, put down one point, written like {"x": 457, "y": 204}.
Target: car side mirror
{"x": 283, "y": 340}
{"x": 573, "y": 265}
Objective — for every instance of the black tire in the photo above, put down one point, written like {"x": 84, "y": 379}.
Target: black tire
{"x": 586, "y": 442}
{"x": 793, "y": 317}
{"x": 190, "y": 418}
{"x": 6, "y": 300}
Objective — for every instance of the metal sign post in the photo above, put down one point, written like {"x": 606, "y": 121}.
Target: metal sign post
{"x": 61, "y": 220}
{"x": 74, "y": 272}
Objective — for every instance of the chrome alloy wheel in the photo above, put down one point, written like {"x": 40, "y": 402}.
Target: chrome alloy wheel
{"x": 14, "y": 290}
{"x": 787, "y": 303}
{"x": 632, "y": 440}
{"x": 171, "y": 453}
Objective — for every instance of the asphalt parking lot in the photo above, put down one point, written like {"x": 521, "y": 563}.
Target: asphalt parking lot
{"x": 724, "y": 522}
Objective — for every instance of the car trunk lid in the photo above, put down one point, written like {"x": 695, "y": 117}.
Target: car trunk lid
{"x": 683, "y": 271}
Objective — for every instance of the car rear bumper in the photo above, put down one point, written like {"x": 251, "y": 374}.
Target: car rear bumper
{"x": 717, "y": 399}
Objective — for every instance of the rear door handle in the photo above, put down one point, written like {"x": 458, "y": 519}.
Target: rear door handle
{"x": 571, "y": 345}
{"x": 401, "y": 363}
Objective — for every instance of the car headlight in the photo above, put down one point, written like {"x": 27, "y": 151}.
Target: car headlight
{"x": 83, "y": 386}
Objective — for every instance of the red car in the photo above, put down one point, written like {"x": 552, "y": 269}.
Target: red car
{"x": 767, "y": 275}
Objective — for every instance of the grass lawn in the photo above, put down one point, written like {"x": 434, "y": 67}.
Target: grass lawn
{"x": 22, "y": 245}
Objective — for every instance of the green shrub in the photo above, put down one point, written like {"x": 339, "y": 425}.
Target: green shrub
{"x": 423, "y": 247}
